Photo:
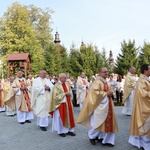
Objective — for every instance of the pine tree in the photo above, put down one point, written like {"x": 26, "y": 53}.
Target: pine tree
{"x": 127, "y": 58}
{"x": 105, "y": 59}
{"x": 88, "y": 60}
{"x": 56, "y": 59}
{"x": 64, "y": 60}
{"x": 49, "y": 59}
{"x": 144, "y": 57}
{"x": 99, "y": 60}
{"x": 75, "y": 66}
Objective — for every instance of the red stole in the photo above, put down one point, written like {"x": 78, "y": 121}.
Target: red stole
{"x": 109, "y": 119}
{"x": 0, "y": 96}
{"x": 63, "y": 109}
{"x": 25, "y": 95}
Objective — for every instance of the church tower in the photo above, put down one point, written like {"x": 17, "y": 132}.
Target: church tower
{"x": 57, "y": 40}
{"x": 111, "y": 59}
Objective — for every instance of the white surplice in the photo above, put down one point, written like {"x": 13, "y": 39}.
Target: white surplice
{"x": 40, "y": 100}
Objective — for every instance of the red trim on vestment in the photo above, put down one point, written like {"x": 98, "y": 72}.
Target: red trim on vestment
{"x": 63, "y": 111}
{"x": 109, "y": 119}
{"x": 25, "y": 95}
{"x": 69, "y": 103}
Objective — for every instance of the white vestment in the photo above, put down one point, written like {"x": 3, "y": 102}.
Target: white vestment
{"x": 128, "y": 105}
{"x": 10, "y": 111}
{"x": 140, "y": 141}
{"x": 57, "y": 124}
{"x": 2, "y": 109}
{"x": 82, "y": 85}
{"x": 94, "y": 134}
{"x": 21, "y": 115}
{"x": 40, "y": 100}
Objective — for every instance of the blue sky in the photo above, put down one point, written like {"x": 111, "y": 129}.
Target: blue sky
{"x": 104, "y": 23}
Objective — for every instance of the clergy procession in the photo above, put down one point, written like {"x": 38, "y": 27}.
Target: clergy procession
{"x": 51, "y": 102}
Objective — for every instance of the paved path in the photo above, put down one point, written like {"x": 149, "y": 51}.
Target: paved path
{"x": 14, "y": 136}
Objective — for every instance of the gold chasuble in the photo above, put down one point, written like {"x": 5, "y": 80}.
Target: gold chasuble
{"x": 128, "y": 85}
{"x": 104, "y": 117}
{"x": 65, "y": 108}
{"x": 140, "y": 122}
{"x": 1, "y": 96}
{"x": 20, "y": 97}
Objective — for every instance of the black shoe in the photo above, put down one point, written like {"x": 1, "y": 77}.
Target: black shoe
{"x": 141, "y": 148}
{"x": 128, "y": 115}
{"x": 108, "y": 144}
{"x": 93, "y": 141}
{"x": 100, "y": 140}
{"x": 62, "y": 134}
{"x": 11, "y": 115}
{"x": 28, "y": 121}
{"x": 22, "y": 122}
{"x": 71, "y": 133}
{"x": 43, "y": 129}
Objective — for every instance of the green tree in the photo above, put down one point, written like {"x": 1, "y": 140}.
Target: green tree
{"x": 41, "y": 20}
{"x": 16, "y": 31}
{"x": 25, "y": 29}
{"x": 56, "y": 59}
{"x": 64, "y": 60}
{"x": 75, "y": 66}
{"x": 127, "y": 58}
{"x": 88, "y": 59}
{"x": 99, "y": 60}
{"x": 49, "y": 59}
{"x": 144, "y": 57}
{"x": 105, "y": 59}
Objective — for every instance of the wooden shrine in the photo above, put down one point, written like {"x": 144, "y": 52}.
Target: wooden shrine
{"x": 19, "y": 61}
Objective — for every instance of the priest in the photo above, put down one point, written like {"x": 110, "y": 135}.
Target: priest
{"x": 140, "y": 122}
{"x": 19, "y": 98}
{"x": 98, "y": 112}
{"x": 61, "y": 108}
{"x": 41, "y": 89}
{"x": 7, "y": 93}
{"x": 129, "y": 88}
{"x": 82, "y": 89}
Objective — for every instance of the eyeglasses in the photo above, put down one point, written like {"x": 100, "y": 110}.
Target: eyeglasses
{"x": 104, "y": 72}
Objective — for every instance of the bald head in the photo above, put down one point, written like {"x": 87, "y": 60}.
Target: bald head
{"x": 62, "y": 77}
{"x": 132, "y": 70}
{"x": 11, "y": 79}
{"x": 82, "y": 74}
{"x": 30, "y": 76}
{"x": 43, "y": 74}
{"x": 19, "y": 74}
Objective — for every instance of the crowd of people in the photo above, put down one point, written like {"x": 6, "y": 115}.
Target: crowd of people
{"x": 49, "y": 97}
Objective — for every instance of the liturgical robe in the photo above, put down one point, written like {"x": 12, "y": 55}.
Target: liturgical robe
{"x": 40, "y": 100}
{"x": 128, "y": 96}
{"x": 140, "y": 122}
{"x": 61, "y": 109}
{"x": 98, "y": 113}
{"x": 21, "y": 100}
{"x": 7, "y": 93}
